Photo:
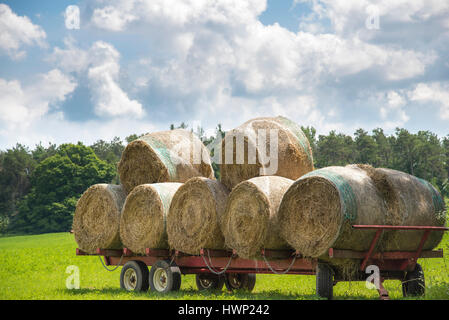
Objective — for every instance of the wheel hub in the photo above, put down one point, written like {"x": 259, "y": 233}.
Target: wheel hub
{"x": 130, "y": 279}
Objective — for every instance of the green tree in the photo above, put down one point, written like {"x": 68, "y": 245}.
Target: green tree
{"x": 384, "y": 149}
{"x": 429, "y": 158}
{"x": 16, "y": 166}
{"x": 310, "y": 133}
{"x": 133, "y": 137}
{"x": 57, "y": 183}
{"x": 335, "y": 150}
{"x": 445, "y": 186}
{"x": 366, "y": 147}
{"x": 404, "y": 148}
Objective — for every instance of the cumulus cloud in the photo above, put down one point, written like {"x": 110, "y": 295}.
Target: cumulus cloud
{"x": 435, "y": 92}
{"x": 392, "y": 111}
{"x": 54, "y": 128}
{"x": 215, "y": 61}
{"x": 21, "y": 106}
{"x": 101, "y": 65}
{"x": 210, "y": 59}
{"x": 17, "y": 32}
{"x": 113, "y": 18}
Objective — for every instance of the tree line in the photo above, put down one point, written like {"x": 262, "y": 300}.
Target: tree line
{"x": 39, "y": 187}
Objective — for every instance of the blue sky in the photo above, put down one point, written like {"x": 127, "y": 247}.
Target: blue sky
{"x": 140, "y": 65}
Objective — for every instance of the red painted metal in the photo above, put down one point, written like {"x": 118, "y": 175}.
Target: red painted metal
{"x": 418, "y": 252}
{"x": 371, "y": 249}
{"x": 393, "y": 255}
{"x": 383, "y": 293}
{"x": 392, "y": 265}
{"x": 157, "y": 252}
{"x": 387, "y": 227}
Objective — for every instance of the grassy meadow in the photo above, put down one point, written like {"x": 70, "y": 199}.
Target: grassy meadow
{"x": 34, "y": 267}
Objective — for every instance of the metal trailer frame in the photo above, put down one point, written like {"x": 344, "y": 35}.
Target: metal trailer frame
{"x": 392, "y": 265}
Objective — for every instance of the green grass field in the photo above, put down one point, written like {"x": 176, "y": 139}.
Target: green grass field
{"x": 34, "y": 267}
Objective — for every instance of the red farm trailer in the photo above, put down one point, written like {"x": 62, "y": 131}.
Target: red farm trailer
{"x": 216, "y": 268}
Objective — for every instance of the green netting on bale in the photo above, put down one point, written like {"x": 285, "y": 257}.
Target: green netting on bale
{"x": 438, "y": 202}
{"x": 302, "y": 139}
{"x": 163, "y": 154}
{"x": 347, "y": 196}
{"x": 164, "y": 195}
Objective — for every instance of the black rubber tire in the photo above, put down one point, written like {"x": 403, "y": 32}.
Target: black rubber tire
{"x": 209, "y": 282}
{"x": 415, "y": 284}
{"x": 171, "y": 277}
{"x": 325, "y": 281}
{"x": 240, "y": 281}
{"x": 138, "y": 276}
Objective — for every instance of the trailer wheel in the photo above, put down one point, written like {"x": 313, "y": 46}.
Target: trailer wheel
{"x": 134, "y": 276}
{"x": 164, "y": 277}
{"x": 325, "y": 281}
{"x": 414, "y": 284}
{"x": 240, "y": 281}
{"x": 209, "y": 281}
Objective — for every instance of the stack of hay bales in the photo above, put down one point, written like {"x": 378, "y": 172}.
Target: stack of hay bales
{"x": 173, "y": 201}
{"x": 169, "y": 199}
{"x": 204, "y": 214}
{"x": 151, "y": 169}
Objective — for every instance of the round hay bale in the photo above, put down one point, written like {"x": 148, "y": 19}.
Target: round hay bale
{"x": 167, "y": 156}
{"x": 410, "y": 201}
{"x": 318, "y": 210}
{"x": 251, "y": 221}
{"x": 143, "y": 221}
{"x": 196, "y": 215}
{"x": 245, "y": 156}
{"x": 96, "y": 221}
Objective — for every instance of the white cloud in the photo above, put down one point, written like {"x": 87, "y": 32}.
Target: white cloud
{"x": 101, "y": 65}
{"x": 435, "y": 92}
{"x": 113, "y": 18}
{"x": 21, "y": 106}
{"x": 219, "y": 56}
{"x": 214, "y": 61}
{"x": 109, "y": 98}
{"x": 392, "y": 110}
{"x": 54, "y": 128}
{"x": 17, "y": 32}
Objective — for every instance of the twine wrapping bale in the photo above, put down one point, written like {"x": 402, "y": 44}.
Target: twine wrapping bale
{"x": 251, "y": 221}
{"x": 96, "y": 220}
{"x": 245, "y": 156}
{"x": 167, "y": 156}
{"x": 318, "y": 210}
{"x": 410, "y": 201}
{"x": 196, "y": 214}
{"x": 143, "y": 221}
